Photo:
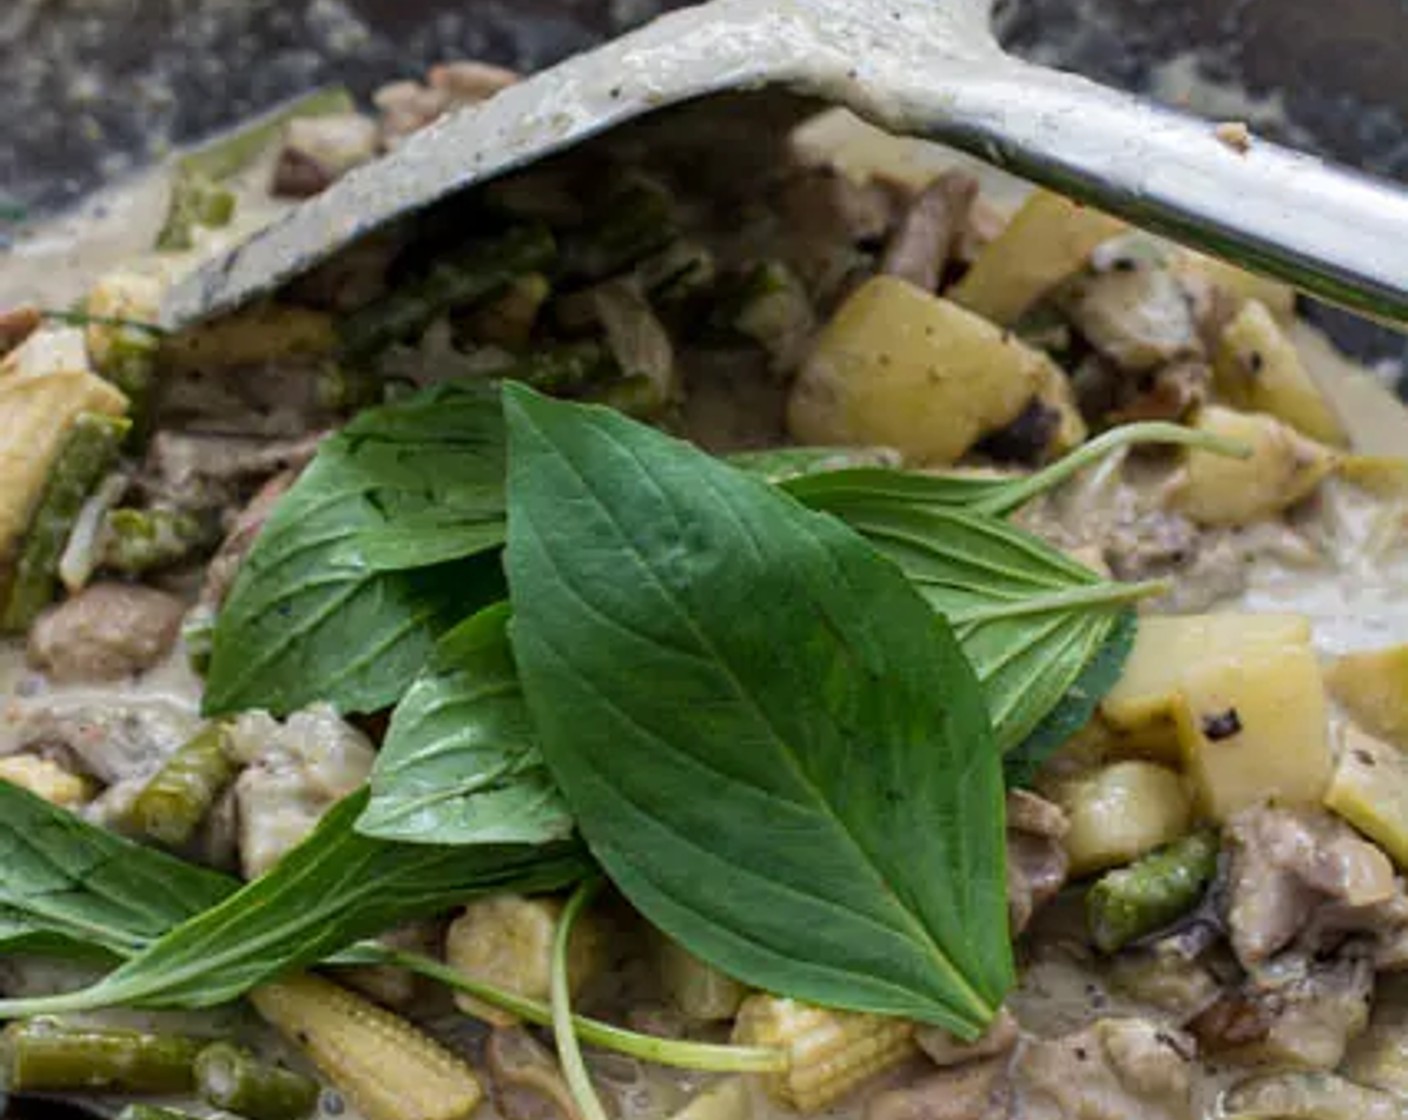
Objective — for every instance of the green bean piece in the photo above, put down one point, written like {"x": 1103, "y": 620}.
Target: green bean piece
{"x": 509, "y": 320}
{"x": 468, "y": 277}
{"x": 196, "y": 200}
{"x": 43, "y": 1055}
{"x": 130, "y": 363}
{"x": 637, "y": 219}
{"x": 153, "y": 1112}
{"x": 1133, "y": 901}
{"x": 234, "y": 1079}
{"x": 682, "y": 269}
{"x": 87, "y": 455}
{"x": 570, "y": 367}
{"x": 178, "y": 796}
{"x": 137, "y": 541}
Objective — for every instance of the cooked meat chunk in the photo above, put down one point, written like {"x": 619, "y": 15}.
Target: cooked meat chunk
{"x": 1133, "y": 312}
{"x": 110, "y": 739}
{"x": 1169, "y": 393}
{"x": 1036, "y": 860}
{"x": 924, "y": 239}
{"x": 106, "y": 632}
{"x": 975, "y": 1091}
{"x": 527, "y": 1083}
{"x": 294, "y": 774}
{"x": 407, "y": 107}
{"x": 944, "y": 1049}
{"x": 1286, "y": 865}
{"x": 1295, "y": 1011}
{"x": 467, "y": 82}
{"x": 1114, "y": 1069}
{"x": 192, "y": 471}
{"x": 318, "y": 151}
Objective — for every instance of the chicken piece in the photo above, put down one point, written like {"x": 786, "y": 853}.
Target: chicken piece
{"x": 406, "y": 107}
{"x": 468, "y": 82}
{"x": 974, "y": 1091}
{"x": 317, "y": 151}
{"x": 111, "y": 738}
{"x": 524, "y": 1078}
{"x": 924, "y": 239}
{"x": 1170, "y": 393}
{"x": 1297, "y": 1011}
{"x": 106, "y": 632}
{"x": 1036, "y": 859}
{"x": 945, "y": 1049}
{"x": 294, "y": 774}
{"x": 1131, "y": 309}
{"x": 197, "y": 471}
{"x": 1114, "y": 1069}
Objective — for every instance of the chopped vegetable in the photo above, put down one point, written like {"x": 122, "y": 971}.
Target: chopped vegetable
{"x": 1370, "y": 790}
{"x": 234, "y": 1079}
{"x": 697, "y": 989}
{"x": 389, "y": 1069}
{"x": 136, "y": 541}
{"x": 1142, "y": 898}
{"x": 1121, "y": 812}
{"x": 197, "y": 202}
{"x": 45, "y": 778}
{"x": 44, "y": 1055}
{"x": 829, "y": 1052}
{"x": 508, "y": 321}
{"x": 1372, "y": 685}
{"x": 775, "y": 311}
{"x": 898, "y": 367}
{"x": 177, "y": 798}
{"x": 266, "y": 332}
{"x": 1307, "y": 1096}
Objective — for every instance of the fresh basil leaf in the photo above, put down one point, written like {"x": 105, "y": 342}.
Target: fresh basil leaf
{"x": 428, "y": 539}
{"x": 69, "y": 887}
{"x": 460, "y": 764}
{"x": 333, "y": 889}
{"x": 781, "y": 464}
{"x": 1078, "y": 705}
{"x": 821, "y": 489}
{"x": 309, "y": 618}
{"x": 1029, "y": 617}
{"x": 778, "y": 755}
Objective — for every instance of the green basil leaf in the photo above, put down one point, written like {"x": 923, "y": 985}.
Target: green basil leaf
{"x": 1078, "y": 705}
{"x": 821, "y": 489}
{"x": 428, "y": 539}
{"x": 69, "y": 887}
{"x": 1029, "y": 617}
{"x": 460, "y": 764}
{"x": 309, "y": 618}
{"x": 778, "y": 755}
{"x": 333, "y": 889}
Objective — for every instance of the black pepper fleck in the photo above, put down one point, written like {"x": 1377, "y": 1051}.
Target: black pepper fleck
{"x": 1222, "y": 725}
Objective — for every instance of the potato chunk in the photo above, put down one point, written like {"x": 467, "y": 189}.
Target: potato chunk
{"x": 1258, "y": 368}
{"x": 1284, "y": 467}
{"x": 1048, "y": 239}
{"x": 1372, "y": 686}
{"x": 45, "y": 778}
{"x": 898, "y": 367}
{"x": 1120, "y": 812}
{"x": 1370, "y": 790}
{"x": 1252, "y": 725}
{"x": 1238, "y": 283}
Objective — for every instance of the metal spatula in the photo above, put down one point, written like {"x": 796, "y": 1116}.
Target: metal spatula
{"x": 928, "y": 68}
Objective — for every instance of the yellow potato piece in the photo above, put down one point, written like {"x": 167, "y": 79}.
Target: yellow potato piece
{"x": 1120, "y": 812}
{"x": 1057, "y": 393}
{"x": 1167, "y": 647}
{"x": 898, "y": 367}
{"x": 45, "y": 778}
{"x": 1385, "y": 476}
{"x": 1370, "y": 790}
{"x": 1253, "y": 728}
{"x": 1372, "y": 686}
{"x": 1258, "y": 368}
{"x": 1048, "y": 239}
{"x": 1284, "y": 467}
{"x": 1278, "y": 298}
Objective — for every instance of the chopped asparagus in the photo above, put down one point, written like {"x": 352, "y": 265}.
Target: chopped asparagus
{"x": 1136, "y": 900}
{"x": 129, "y": 361}
{"x": 509, "y": 320}
{"x": 196, "y": 200}
{"x": 88, "y": 455}
{"x": 468, "y": 277}
{"x": 42, "y": 1055}
{"x": 179, "y": 795}
{"x": 570, "y": 367}
{"x": 775, "y": 311}
{"x": 234, "y": 1079}
{"x": 636, "y": 220}
{"x": 136, "y": 541}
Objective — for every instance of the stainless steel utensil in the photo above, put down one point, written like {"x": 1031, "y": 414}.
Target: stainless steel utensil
{"x": 928, "y": 68}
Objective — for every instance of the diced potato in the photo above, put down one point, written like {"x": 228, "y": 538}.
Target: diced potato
{"x": 1284, "y": 467}
{"x": 1370, "y": 790}
{"x": 120, "y": 295}
{"x": 1372, "y": 686}
{"x": 1057, "y": 393}
{"x": 1252, "y": 724}
{"x": 45, "y": 778}
{"x": 507, "y": 941}
{"x": 55, "y": 350}
{"x": 1120, "y": 812}
{"x": 1385, "y": 476}
{"x": 1258, "y": 368}
{"x": 1168, "y": 646}
{"x": 1277, "y": 297}
{"x": 264, "y": 333}
{"x": 898, "y": 367}
{"x": 36, "y": 413}
{"x": 1048, "y": 239}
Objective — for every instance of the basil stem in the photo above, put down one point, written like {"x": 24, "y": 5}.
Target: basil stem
{"x": 569, "y": 1052}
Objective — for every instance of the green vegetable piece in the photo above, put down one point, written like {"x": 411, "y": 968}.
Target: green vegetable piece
{"x": 227, "y": 155}
{"x": 179, "y": 796}
{"x": 468, "y": 277}
{"x": 460, "y": 763}
{"x": 784, "y": 464}
{"x": 196, "y": 201}
{"x": 130, "y": 362}
{"x": 234, "y": 1079}
{"x": 88, "y": 454}
{"x": 67, "y": 886}
{"x": 569, "y": 1050}
{"x": 797, "y": 690}
{"x": 308, "y": 618}
{"x": 568, "y": 367}
{"x": 1128, "y": 903}
{"x": 775, "y": 311}
{"x": 332, "y": 890}
{"x": 42, "y": 1055}
{"x": 636, "y": 219}
{"x": 138, "y": 541}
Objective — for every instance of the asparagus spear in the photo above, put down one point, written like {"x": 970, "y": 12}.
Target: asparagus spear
{"x": 636, "y": 220}
{"x": 88, "y": 454}
{"x": 234, "y": 1079}
{"x": 136, "y": 541}
{"x": 196, "y": 200}
{"x": 179, "y": 795}
{"x": 467, "y": 277}
{"x": 42, "y": 1055}
{"x": 1136, "y": 900}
